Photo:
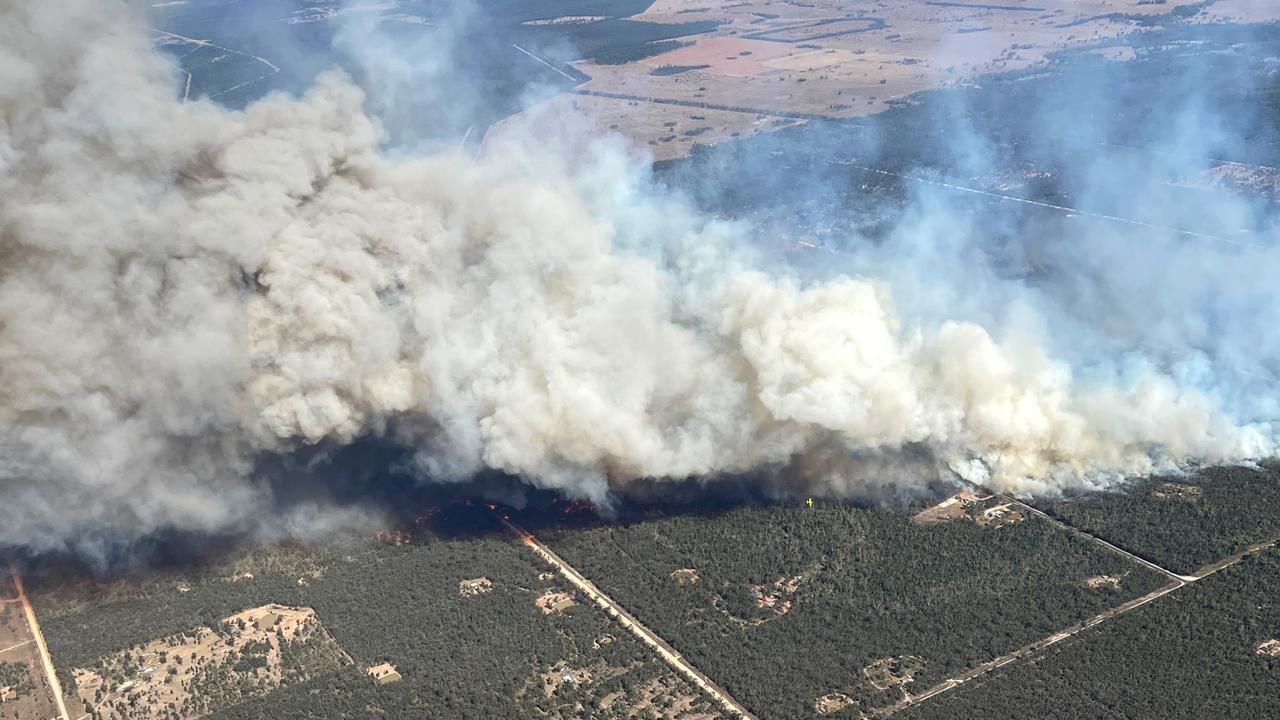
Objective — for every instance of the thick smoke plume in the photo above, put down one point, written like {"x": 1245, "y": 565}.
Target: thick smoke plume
{"x": 185, "y": 288}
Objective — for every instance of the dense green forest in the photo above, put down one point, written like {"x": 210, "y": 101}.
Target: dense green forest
{"x": 1191, "y": 654}
{"x": 779, "y": 604}
{"x": 872, "y": 585}
{"x": 481, "y": 656}
{"x": 1182, "y": 523}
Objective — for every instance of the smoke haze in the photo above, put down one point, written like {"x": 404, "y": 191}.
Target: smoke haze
{"x": 185, "y": 289}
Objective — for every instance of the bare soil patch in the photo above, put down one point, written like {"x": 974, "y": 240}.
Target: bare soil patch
{"x": 833, "y": 702}
{"x": 999, "y": 515}
{"x": 1103, "y": 582}
{"x": 956, "y": 507}
{"x": 1177, "y": 491}
{"x": 475, "y": 586}
{"x": 554, "y": 601}
{"x": 812, "y": 60}
{"x": 248, "y": 654}
{"x": 685, "y": 576}
{"x": 383, "y": 673}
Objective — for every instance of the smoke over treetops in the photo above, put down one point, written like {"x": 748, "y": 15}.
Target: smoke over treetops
{"x": 185, "y": 289}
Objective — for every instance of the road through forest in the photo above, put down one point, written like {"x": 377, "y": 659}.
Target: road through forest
{"x": 1175, "y": 582}
{"x": 624, "y": 618}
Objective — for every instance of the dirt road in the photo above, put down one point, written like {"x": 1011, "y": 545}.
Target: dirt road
{"x": 564, "y": 74}
{"x": 624, "y": 618}
{"x": 1176, "y": 582}
{"x": 1027, "y": 650}
{"x": 206, "y": 43}
{"x": 1199, "y": 574}
{"x": 698, "y": 104}
{"x": 1227, "y": 562}
{"x": 15, "y": 646}
{"x": 38, "y": 636}
{"x": 1050, "y": 206}
{"x": 186, "y": 93}
{"x": 1113, "y": 548}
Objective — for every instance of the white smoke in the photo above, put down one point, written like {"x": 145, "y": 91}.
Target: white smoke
{"x": 183, "y": 288}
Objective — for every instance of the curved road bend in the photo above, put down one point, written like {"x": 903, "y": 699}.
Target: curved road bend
{"x": 624, "y": 618}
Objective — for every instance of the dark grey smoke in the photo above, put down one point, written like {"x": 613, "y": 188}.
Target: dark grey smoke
{"x": 186, "y": 289}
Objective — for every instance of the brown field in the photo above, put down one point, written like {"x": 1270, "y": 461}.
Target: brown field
{"x": 839, "y": 69}
{"x": 815, "y": 59}
{"x": 945, "y": 511}
{"x": 724, "y": 55}
{"x": 956, "y": 507}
